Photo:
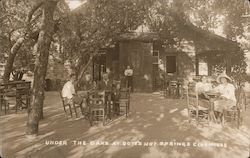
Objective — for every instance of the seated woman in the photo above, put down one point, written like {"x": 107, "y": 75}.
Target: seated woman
{"x": 202, "y": 87}
{"x": 227, "y": 98}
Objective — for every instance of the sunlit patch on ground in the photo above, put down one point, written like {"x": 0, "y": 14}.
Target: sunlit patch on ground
{"x": 173, "y": 110}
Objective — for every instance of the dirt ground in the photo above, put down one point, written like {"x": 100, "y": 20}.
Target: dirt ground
{"x": 156, "y": 128}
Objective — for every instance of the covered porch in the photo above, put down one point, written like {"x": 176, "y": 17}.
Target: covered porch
{"x": 210, "y": 63}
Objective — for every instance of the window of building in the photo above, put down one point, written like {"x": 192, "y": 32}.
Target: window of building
{"x": 155, "y": 57}
{"x": 202, "y": 66}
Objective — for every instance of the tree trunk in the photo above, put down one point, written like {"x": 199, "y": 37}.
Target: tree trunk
{"x": 9, "y": 65}
{"x": 42, "y": 50}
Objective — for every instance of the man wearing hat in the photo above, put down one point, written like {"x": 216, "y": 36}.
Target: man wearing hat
{"x": 227, "y": 98}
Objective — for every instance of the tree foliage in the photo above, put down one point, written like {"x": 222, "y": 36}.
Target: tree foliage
{"x": 96, "y": 25}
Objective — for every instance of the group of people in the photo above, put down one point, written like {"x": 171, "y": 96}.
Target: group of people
{"x": 225, "y": 88}
{"x": 106, "y": 84}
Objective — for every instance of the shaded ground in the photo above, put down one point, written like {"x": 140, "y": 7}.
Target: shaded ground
{"x": 152, "y": 119}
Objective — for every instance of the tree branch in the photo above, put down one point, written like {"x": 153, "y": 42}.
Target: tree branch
{"x": 80, "y": 76}
{"x": 32, "y": 11}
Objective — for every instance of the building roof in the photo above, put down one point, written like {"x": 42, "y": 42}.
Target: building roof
{"x": 139, "y": 36}
{"x": 204, "y": 40}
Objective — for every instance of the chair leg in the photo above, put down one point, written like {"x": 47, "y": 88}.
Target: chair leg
{"x": 126, "y": 109}
{"x": 5, "y": 108}
{"x": 75, "y": 110}
{"x": 65, "y": 111}
{"x": 92, "y": 116}
{"x": 222, "y": 117}
{"x": 16, "y": 108}
{"x": 90, "y": 120}
{"x": 8, "y": 106}
{"x": 89, "y": 115}
{"x": 238, "y": 119}
{"x": 128, "y": 106}
{"x": 70, "y": 110}
{"x": 81, "y": 110}
{"x": 189, "y": 117}
{"x": 103, "y": 113}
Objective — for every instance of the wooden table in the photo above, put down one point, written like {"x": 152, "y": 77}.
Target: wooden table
{"x": 17, "y": 89}
{"x": 211, "y": 96}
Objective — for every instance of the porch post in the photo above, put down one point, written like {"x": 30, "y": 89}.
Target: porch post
{"x": 228, "y": 63}
{"x": 209, "y": 64}
{"x": 197, "y": 64}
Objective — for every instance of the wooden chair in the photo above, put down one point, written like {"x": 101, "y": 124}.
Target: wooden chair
{"x": 123, "y": 99}
{"x": 9, "y": 91}
{"x": 65, "y": 106}
{"x": 173, "y": 88}
{"x": 78, "y": 106}
{"x": 86, "y": 110}
{"x": 181, "y": 90}
{"x": 195, "y": 111}
{"x": 3, "y": 101}
{"x": 23, "y": 93}
{"x": 96, "y": 103}
{"x": 235, "y": 114}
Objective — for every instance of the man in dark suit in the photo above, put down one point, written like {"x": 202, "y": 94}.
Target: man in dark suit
{"x": 105, "y": 83}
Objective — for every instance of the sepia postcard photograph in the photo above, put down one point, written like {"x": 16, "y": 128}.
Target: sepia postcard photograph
{"x": 124, "y": 79}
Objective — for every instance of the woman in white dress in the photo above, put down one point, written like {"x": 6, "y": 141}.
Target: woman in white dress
{"x": 227, "y": 97}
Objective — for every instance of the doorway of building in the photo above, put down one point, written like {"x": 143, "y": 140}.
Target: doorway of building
{"x": 99, "y": 66}
{"x": 171, "y": 65}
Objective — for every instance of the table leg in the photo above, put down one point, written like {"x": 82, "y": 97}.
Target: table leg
{"x": 211, "y": 110}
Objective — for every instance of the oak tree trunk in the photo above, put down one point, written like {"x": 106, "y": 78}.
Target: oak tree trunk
{"x": 42, "y": 50}
{"x": 9, "y": 64}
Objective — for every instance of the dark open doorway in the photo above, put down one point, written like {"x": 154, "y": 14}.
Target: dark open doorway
{"x": 171, "y": 65}
{"x": 99, "y": 66}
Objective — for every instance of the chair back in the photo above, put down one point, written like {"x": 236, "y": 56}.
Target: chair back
{"x": 2, "y": 95}
{"x": 62, "y": 98}
{"x": 96, "y": 102}
{"x": 65, "y": 100}
{"x": 95, "y": 95}
{"x": 124, "y": 93}
{"x": 24, "y": 88}
{"x": 173, "y": 83}
{"x": 192, "y": 95}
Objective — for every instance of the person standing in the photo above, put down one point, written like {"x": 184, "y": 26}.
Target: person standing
{"x": 129, "y": 78}
{"x": 110, "y": 74}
